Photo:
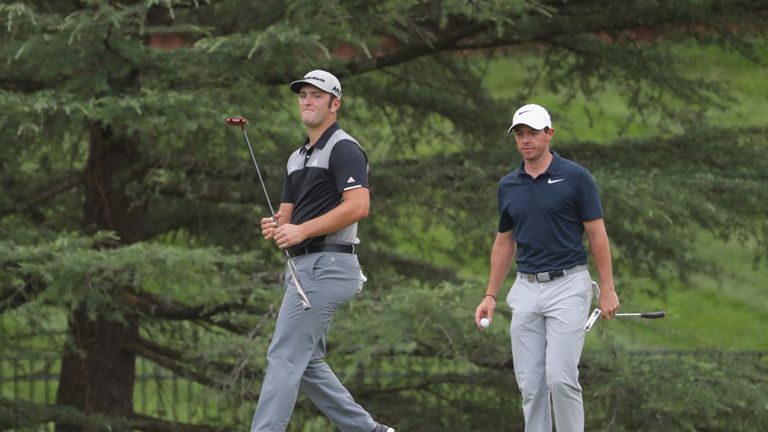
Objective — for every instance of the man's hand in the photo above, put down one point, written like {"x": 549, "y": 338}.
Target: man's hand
{"x": 268, "y": 226}
{"x": 288, "y": 235}
{"x": 608, "y": 302}
{"x": 485, "y": 310}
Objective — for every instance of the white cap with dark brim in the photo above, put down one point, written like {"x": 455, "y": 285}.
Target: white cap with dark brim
{"x": 532, "y": 115}
{"x": 321, "y": 79}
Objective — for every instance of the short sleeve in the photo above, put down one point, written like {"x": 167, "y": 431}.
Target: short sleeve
{"x": 287, "y": 196}
{"x": 505, "y": 220}
{"x": 589, "y": 204}
{"x": 349, "y": 165}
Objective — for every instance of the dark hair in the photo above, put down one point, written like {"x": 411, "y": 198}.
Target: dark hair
{"x": 330, "y": 102}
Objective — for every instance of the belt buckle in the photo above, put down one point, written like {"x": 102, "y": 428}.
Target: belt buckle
{"x": 531, "y": 277}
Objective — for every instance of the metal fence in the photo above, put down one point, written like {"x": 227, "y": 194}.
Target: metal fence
{"x": 157, "y": 392}
{"x": 161, "y": 393}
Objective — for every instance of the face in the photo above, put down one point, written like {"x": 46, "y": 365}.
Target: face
{"x": 531, "y": 143}
{"x": 316, "y": 107}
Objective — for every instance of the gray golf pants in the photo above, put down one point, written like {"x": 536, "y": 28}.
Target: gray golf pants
{"x": 547, "y": 339}
{"x": 295, "y": 355}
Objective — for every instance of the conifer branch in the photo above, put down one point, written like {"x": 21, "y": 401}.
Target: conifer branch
{"x": 174, "y": 361}
{"x": 169, "y": 309}
{"x": 15, "y": 297}
{"x": 48, "y": 191}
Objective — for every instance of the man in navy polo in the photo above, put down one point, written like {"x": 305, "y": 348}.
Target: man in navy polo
{"x": 545, "y": 207}
{"x": 325, "y": 194}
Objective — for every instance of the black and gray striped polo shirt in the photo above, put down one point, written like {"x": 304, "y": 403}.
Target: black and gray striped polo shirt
{"x": 315, "y": 178}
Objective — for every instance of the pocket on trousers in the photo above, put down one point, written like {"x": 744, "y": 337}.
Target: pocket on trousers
{"x": 513, "y": 295}
{"x": 337, "y": 268}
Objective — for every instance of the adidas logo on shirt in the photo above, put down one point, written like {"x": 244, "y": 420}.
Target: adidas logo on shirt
{"x": 351, "y": 180}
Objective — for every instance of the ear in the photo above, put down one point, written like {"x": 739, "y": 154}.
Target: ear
{"x": 335, "y": 105}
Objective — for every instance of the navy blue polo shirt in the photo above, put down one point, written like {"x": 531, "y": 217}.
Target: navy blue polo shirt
{"x": 546, "y": 214}
{"x": 316, "y": 176}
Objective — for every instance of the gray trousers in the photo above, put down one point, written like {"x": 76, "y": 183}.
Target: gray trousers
{"x": 547, "y": 339}
{"x": 295, "y": 358}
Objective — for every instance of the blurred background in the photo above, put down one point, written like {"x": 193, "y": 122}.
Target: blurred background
{"x": 136, "y": 291}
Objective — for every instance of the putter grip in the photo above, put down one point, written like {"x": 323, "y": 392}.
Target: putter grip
{"x": 660, "y": 314}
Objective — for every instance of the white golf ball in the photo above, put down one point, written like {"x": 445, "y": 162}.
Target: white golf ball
{"x": 485, "y": 322}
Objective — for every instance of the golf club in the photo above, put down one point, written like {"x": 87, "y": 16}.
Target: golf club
{"x": 239, "y": 121}
{"x": 649, "y": 315}
{"x": 596, "y": 313}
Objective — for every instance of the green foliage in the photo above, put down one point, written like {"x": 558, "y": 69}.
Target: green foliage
{"x": 20, "y": 415}
{"x": 74, "y": 270}
{"x": 104, "y": 131}
{"x": 467, "y": 383}
{"x": 695, "y": 391}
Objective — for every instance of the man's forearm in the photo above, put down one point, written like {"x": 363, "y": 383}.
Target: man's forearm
{"x": 501, "y": 262}
{"x": 601, "y": 252}
{"x": 353, "y": 208}
{"x": 344, "y": 215}
{"x": 600, "y": 247}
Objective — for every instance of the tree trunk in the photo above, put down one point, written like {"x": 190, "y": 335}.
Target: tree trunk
{"x": 97, "y": 374}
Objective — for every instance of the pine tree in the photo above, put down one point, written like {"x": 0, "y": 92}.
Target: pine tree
{"x": 129, "y": 210}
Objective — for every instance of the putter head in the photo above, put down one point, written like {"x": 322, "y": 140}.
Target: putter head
{"x": 237, "y": 121}
{"x": 592, "y": 318}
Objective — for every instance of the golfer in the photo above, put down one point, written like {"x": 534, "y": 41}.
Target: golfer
{"x": 325, "y": 194}
{"x": 545, "y": 206}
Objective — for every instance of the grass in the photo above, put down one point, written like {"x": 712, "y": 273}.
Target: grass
{"x": 744, "y": 81}
{"x": 729, "y": 313}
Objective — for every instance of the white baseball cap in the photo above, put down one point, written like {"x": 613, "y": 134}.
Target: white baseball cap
{"x": 321, "y": 79}
{"x": 532, "y": 115}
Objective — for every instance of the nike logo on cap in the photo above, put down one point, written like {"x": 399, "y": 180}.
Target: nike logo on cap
{"x": 550, "y": 181}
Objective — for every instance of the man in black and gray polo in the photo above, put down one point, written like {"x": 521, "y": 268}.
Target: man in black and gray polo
{"x": 325, "y": 194}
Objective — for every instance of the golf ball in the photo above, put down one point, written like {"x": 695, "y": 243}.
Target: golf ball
{"x": 485, "y": 322}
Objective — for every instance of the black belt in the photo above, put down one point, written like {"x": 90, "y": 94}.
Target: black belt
{"x": 552, "y": 275}
{"x": 324, "y": 247}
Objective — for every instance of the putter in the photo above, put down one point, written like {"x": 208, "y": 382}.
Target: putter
{"x": 596, "y": 313}
{"x": 239, "y": 121}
